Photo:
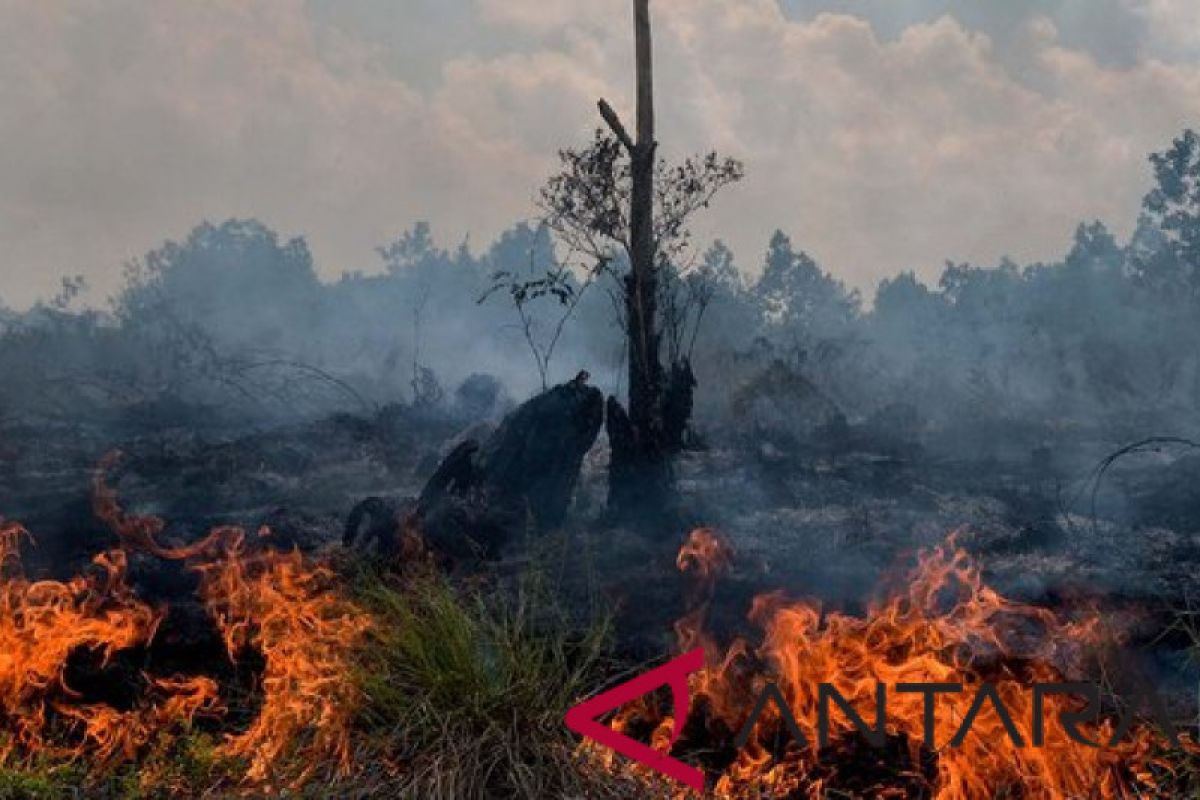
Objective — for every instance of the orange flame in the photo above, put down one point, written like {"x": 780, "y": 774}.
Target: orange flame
{"x": 946, "y": 626}
{"x": 704, "y": 553}
{"x": 279, "y": 604}
{"x": 42, "y": 623}
{"x": 283, "y": 606}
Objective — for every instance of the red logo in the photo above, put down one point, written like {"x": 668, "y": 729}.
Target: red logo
{"x": 582, "y": 718}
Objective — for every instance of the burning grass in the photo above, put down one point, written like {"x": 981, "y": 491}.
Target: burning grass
{"x": 280, "y": 607}
{"x": 43, "y": 625}
{"x": 942, "y": 625}
{"x": 364, "y": 682}
{"x": 375, "y": 683}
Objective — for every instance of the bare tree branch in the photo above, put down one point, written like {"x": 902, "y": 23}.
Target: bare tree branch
{"x": 614, "y": 123}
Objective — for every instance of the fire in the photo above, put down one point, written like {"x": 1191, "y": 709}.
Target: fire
{"x": 42, "y": 623}
{"x": 279, "y": 604}
{"x": 705, "y": 553}
{"x": 945, "y": 626}
{"x": 284, "y": 607}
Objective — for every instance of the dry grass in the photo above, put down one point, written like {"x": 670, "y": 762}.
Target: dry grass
{"x": 464, "y": 695}
{"x": 466, "y": 692}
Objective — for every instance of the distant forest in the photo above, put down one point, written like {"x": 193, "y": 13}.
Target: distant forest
{"x": 233, "y": 324}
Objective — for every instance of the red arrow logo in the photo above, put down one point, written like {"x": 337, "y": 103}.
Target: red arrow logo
{"x": 583, "y": 718}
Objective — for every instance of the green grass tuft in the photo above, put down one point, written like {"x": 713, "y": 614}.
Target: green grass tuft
{"x": 466, "y": 693}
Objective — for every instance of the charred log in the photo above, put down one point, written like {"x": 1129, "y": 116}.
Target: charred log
{"x": 535, "y": 455}
{"x": 458, "y": 473}
{"x": 524, "y": 473}
{"x": 373, "y": 526}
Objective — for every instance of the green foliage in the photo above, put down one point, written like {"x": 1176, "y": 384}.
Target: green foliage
{"x": 41, "y": 782}
{"x": 586, "y": 204}
{"x": 469, "y": 692}
{"x": 1172, "y": 208}
{"x": 188, "y": 767}
{"x": 794, "y": 293}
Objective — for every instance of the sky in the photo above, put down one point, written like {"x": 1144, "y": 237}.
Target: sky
{"x": 882, "y": 135}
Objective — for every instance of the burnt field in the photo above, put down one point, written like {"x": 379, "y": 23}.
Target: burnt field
{"x": 828, "y": 515}
{"x": 269, "y": 532}
{"x": 831, "y": 514}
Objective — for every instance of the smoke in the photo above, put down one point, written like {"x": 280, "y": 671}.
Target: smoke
{"x": 232, "y": 325}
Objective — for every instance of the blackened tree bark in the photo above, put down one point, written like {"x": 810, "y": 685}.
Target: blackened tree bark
{"x": 678, "y": 401}
{"x": 640, "y": 474}
{"x": 617, "y": 194}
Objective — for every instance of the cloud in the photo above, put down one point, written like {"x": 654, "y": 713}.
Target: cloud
{"x": 1174, "y": 26}
{"x": 887, "y": 153}
{"x": 126, "y": 122}
{"x": 552, "y": 17}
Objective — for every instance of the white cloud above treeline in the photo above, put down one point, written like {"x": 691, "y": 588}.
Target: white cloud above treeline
{"x": 125, "y": 122}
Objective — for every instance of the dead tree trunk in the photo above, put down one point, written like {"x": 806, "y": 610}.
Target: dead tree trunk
{"x": 640, "y": 477}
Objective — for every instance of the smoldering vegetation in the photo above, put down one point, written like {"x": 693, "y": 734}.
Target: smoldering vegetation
{"x": 443, "y": 406}
{"x": 831, "y": 433}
